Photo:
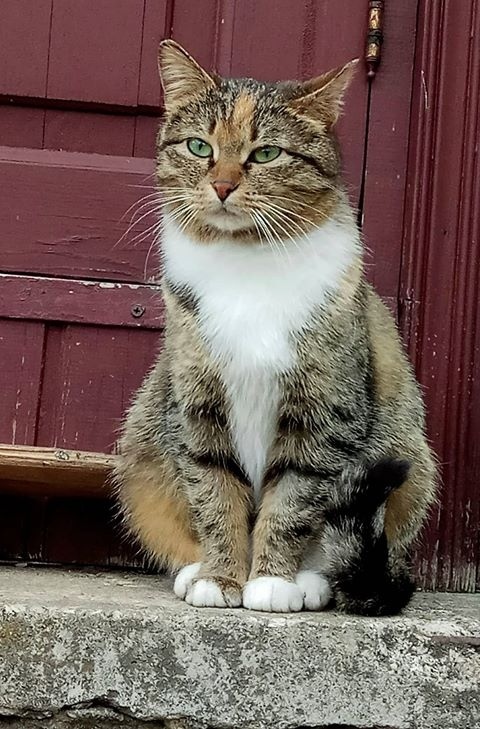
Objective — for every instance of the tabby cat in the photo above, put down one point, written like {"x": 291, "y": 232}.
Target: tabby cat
{"x": 275, "y": 456}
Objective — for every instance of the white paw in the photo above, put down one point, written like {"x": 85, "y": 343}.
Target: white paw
{"x": 185, "y": 578}
{"x": 315, "y": 588}
{"x": 205, "y": 593}
{"x": 273, "y": 595}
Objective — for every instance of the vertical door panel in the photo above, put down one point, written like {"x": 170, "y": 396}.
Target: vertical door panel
{"x": 387, "y": 149}
{"x": 24, "y": 46}
{"x": 441, "y": 278}
{"x": 21, "y": 358}
{"x": 155, "y": 28}
{"x": 90, "y": 376}
{"x": 95, "y": 51}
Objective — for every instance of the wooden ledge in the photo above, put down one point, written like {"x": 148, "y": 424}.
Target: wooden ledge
{"x": 28, "y": 470}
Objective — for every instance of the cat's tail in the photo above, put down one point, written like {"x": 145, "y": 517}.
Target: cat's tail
{"x": 365, "y": 577}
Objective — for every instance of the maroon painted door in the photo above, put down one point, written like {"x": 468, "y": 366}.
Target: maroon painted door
{"x": 440, "y": 281}
{"x": 80, "y": 319}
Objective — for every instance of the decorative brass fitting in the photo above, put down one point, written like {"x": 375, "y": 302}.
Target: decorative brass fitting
{"x": 374, "y": 36}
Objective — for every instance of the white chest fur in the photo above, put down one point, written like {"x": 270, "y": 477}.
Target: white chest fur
{"x": 251, "y": 299}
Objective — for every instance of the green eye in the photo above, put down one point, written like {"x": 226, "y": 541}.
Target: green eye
{"x": 265, "y": 154}
{"x": 199, "y": 148}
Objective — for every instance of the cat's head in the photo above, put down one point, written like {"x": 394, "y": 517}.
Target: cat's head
{"x": 246, "y": 159}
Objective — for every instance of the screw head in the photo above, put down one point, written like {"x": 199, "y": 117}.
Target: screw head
{"x": 137, "y": 310}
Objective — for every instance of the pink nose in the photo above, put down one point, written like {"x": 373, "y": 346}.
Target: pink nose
{"x": 223, "y": 188}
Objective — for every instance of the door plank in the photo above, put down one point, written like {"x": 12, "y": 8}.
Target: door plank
{"x": 154, "y": 30}
{"x": 146, "y": 130}
{"x": 21, "y": 358}
{"x": 441, "y": 279}
{"x": 77, "y": 131}
{"x": 188, "y": 18}
{"x": 88, "y": 302}
{"x": 95, "y": 51}
{"x": 89, "y": 378}
{"x": 67, "y": 214}
{"x": 387, "y": 150}
{"x": 24, "y": 45}
{"x": 21, "y": 126}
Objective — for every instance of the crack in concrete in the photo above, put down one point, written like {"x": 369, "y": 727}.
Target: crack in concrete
{"x": 104, "y": 712}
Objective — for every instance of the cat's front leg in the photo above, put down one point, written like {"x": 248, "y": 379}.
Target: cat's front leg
{"x": 282, "y": 534}
{"x": 221, "y": 506}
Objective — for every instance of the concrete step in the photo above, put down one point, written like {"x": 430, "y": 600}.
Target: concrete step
{"x": 105, "y": 650}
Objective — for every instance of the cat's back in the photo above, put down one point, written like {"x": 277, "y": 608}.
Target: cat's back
{"x": 393, "y": 374}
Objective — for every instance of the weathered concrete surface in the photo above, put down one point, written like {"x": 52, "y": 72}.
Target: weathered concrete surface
{"x": 109, "y": 650}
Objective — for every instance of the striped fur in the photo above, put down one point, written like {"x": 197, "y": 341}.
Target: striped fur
{"x": 277, "y": 449}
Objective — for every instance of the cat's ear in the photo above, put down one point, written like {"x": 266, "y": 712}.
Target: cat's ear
{"x": 322, "y": 99}
{"x": 182, "y": 77}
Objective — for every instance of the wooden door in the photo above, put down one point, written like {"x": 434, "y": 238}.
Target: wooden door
{"x": 439, "y": 291}
{"x": 80, "y": 319}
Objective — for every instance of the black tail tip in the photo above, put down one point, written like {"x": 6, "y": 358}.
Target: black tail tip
{"x": 379, "y": 480}
{"x": 389, "y": 598}
{"x": 388, "y": 474}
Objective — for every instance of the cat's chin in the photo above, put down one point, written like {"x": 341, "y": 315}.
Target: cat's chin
{"x": 228, "y": 222}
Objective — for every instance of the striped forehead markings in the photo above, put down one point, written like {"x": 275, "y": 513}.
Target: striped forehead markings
{"x": 237, "y": 128}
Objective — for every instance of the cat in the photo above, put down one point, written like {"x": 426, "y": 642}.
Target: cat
{"x": 275, "y": 456}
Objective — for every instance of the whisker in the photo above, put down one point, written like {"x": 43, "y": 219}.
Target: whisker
{"x": 140, "y": 237}
{"x": 152, "y": 203}
{"x": 175, "y": 198}
{"x": 270, "y": 231}
{"x": 180, "y": 213}
{"x": 147, "y": 257}
{"x": 152, "y": 206}
{"x": 262, "y": 227}
{"x": 189, "y": 217}
{"x": 159, "y": 224}
{"x": 132, "y": 226}
{"x": 180, "y": 210}
{"x": 144, "y": 187}
{"x": 252, "y": 215}
{"x": 137, "y": 202}
{"x": 155, "y": 209}
{"x": 296, "y": 227}
{"x": 295, "y": 200}
{"x": 292, "y": 212}
{"x": 281, "y": 225}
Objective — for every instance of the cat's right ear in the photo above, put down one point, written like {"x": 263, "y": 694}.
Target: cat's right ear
{"x": 182, "y": 77}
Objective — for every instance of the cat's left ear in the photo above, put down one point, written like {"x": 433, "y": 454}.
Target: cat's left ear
{"x": 182, "y": 77}
{"x": 322, "y": 99}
